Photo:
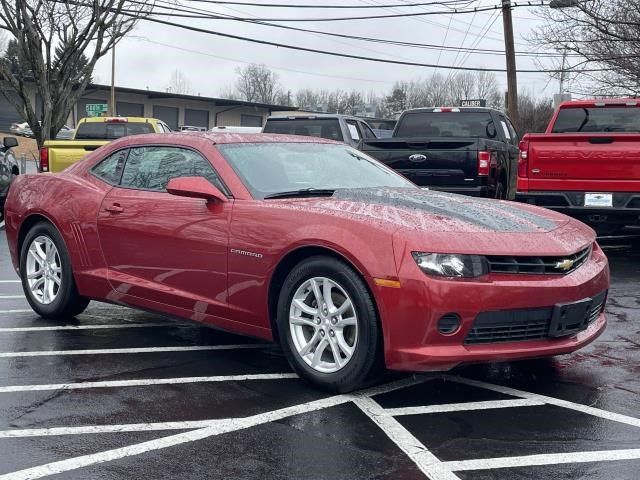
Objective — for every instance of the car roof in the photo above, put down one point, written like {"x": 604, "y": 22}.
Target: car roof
{"x": 600, "y": 102}
{"x": 219, "y": 138}
{"x": 312, "y": 116}
{"x": 455, "y": 109}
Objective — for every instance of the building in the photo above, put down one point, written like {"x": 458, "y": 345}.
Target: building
{"x": 174, "y": 109}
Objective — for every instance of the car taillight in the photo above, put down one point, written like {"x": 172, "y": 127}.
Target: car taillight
{"x": 115, "y": 120}
{"x": 484, "y": 163}
{"x": 523, "y": 159}
{"x": 44, "y": 159}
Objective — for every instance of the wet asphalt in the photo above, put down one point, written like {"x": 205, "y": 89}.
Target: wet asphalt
{"x": 72, "y": 407}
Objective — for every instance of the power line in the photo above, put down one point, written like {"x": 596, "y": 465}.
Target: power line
{"x": 480, "y": 51}
{"x": 395, "y": 15}
{"x": 247, "y": 62}
{"x": 335, "y": 54}
{"x": 284, "y": 5}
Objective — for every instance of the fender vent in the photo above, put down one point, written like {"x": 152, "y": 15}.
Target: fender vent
{"x": 81, "y": 244}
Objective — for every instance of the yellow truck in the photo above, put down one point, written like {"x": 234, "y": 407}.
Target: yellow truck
{"x": 91, "y": 133}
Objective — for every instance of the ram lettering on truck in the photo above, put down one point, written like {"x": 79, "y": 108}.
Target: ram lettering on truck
{"x": 586, "y": 164}
{"x": 91, "y": 134}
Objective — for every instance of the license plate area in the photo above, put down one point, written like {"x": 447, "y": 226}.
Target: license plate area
{"x": 569, "y": 318}
{"x": 598, "y": 200}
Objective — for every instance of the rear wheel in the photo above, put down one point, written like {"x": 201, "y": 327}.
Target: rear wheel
{"x": 328, "y": 325}
{"x": 47, "y": 276}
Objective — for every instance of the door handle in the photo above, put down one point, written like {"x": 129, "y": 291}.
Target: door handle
{"x": 115, "y": 208}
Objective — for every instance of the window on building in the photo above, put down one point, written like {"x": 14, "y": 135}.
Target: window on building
{"x": 251, "y": 120}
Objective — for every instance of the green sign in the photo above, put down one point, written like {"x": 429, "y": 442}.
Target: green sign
{"x": 96, "y": 109}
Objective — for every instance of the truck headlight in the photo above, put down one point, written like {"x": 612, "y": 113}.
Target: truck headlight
{"x": 451, "y": 265}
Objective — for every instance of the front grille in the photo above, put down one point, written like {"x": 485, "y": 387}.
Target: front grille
{"x": 539, "y": 265}
{"x": 522, "y": 325}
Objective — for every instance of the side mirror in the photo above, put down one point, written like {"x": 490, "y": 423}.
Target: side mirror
{"x": 10, "y": 142}
{"x": 195, "y": 187}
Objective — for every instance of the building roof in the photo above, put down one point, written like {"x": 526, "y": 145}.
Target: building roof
{"x": 222, "y": 102}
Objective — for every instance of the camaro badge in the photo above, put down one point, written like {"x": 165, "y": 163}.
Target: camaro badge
{"x": 246, "y": 253}
{"x": 565, "y": 265}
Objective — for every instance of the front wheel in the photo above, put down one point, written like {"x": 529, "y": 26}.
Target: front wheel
{"x": 329, "y": 326}
{"x": 47, "y": 276}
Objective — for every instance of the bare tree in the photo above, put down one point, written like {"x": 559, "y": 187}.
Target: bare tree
{"x": 257, "y": 83}
{"x": 534, "y": 113}
{"x": 601, "y": 40}
{"x": 179, "y": 83}
{"x": 57, "y": 44}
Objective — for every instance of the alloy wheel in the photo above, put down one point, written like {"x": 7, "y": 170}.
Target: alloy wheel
{"x": 323, "y": 324}
{"x": 44, "y": 270}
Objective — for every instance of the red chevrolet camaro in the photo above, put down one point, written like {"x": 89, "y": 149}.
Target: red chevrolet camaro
{"x": 309, "y": 242}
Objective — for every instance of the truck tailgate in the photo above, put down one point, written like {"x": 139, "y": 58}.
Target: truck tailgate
{"x": 600, "y": 157}
{"x": 64, "y": 153}
{"x": 429, "y": 161}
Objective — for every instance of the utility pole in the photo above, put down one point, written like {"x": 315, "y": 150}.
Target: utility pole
{"x": 564, "y": 64}
{"x": 512, "y": 81}
{"x": 112, "y": 107}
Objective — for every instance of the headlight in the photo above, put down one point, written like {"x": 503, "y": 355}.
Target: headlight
{"x": 451, "y": 265}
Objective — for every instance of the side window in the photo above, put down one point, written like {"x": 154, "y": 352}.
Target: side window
{"x": 366, "y": 131}
{"x": 353, "y": 129}
{"x": 110, "y": 169}
{"x": 514, "y": 134}
{"x": 151, "y": 168}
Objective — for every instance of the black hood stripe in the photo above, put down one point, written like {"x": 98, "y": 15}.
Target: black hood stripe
{"x": 488, "y": 214}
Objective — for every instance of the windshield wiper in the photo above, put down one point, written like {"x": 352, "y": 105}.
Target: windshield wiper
{"x": 304, "y": 192}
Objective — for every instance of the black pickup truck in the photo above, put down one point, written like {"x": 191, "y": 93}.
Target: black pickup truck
{"x": 462, "y": 150}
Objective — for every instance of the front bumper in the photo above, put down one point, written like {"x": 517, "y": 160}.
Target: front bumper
{"x": 624, "y": 212}
{"x": 410, "y": 314}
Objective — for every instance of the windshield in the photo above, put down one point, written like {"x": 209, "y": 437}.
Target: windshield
{"x": 268, "y": 168}
{"x": 446, "y": 124}
{"x": 598, "y": 119}
{"x": 111, "y": 130}
{"x": 328, "y": 128}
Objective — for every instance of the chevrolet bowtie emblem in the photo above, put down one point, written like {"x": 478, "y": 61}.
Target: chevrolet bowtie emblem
{"x": 565, "y": 265}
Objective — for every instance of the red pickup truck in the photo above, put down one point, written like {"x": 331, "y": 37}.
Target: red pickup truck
{"x": 587, "y": 163}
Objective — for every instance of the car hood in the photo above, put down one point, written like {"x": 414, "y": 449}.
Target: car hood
{"x": 482, "y": 225}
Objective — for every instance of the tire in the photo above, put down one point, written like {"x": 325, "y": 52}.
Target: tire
{"x": 61, "y": 300}
{"x": 355, "y": 330}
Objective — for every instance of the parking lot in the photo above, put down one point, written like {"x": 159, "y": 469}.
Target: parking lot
{"x": 118, "y": 393}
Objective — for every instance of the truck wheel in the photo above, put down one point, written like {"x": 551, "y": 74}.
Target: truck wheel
{"x": 47, "y": 276}
{"x": 328, "y": 325}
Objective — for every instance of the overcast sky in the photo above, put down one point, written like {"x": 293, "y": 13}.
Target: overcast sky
{"x": 151, "y": 52}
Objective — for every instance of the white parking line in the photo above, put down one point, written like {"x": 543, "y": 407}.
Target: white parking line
{"x": 22, "y": 310}
{"x": 12, "y": 297}
{"x": 596, "y": 412}
{"x": 114, "y": 351}
{"x": 142, "y": 382}
{"x": 89, "y": 327}
{"x": 459, "y": 407}
{"x": 543, "y": 459}
{"x": 10, "y": 281}
{"x": 409, "y": 444}
{"x": 93, "y": 429}
{"x": 229, "y": 425}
